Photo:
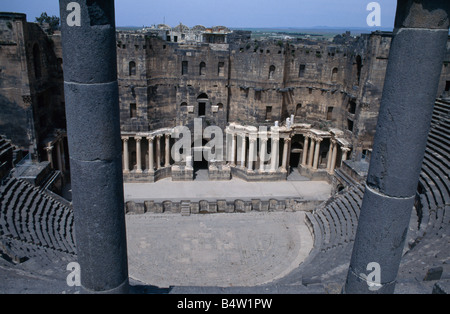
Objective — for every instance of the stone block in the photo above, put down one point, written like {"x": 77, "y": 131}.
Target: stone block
{"x": 231, "y": 208}
{"x": 248, "y": 206}
{"x": 195, "y": 207}
{"x": 434, "y": 273}
{"x": 93, "y": 112}
{"x": 203, "y": 206}
{"x": 213, "y": 207}
{"x": 167, "y": 206}
{"x": 149, "y": 206}
{"x": 221, "y": 206}
{"x": 239, "y": 206}
{"x": 176, "y": 207}
{"x": 256, "y": 205}
{"x": 273, "y": 205}
{"x": 442, "y": 287}
{"x": 159, "y": 208}
{"x": 264, "y": 206}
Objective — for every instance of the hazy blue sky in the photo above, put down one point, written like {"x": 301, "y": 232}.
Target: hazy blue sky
{"x": 232, "y": 13}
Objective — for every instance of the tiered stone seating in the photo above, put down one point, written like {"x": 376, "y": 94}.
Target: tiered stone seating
{"x": 334, "y": 227}
{"x": 336, "y": 221}
{"x": 334, "y": 224}
{"x": 29, "y": 215}
{"x": 434, "y": 178}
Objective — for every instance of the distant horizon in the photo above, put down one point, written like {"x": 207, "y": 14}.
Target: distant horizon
{"x": 300, "y": 14}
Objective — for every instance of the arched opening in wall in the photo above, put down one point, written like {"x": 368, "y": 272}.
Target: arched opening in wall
{"x": 340, "y": 187}
{"x": 298, "y": 110}
{"x": 268, "y": 113}
{"x": 352, "y": 106}
{"x": 271, "y": 72}
{"x": 184, "y": 68}
{"x": 301, "y": 72}
{"x": 358, "y": 69}
{"x": 350, "y": 125}
{"x": 334, "y": 74}
{"x": 132, "y": 68}
{"x": 133, "y": 111}
{"x": 183, "y": 107}
{"x": 296, "y": 151}
{"x": 330, "y": 113}
{"x": 202, "y": 100}
{"x": 221, "y": 69}
{"x": 202, "y": 68}
{"x": 37, "y": 61}
{"x": 200, "y": 164}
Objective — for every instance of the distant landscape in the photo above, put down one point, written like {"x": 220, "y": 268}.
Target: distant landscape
{"x": 319, "y": 32}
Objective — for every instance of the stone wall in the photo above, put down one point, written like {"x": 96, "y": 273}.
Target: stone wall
{"x": 327, "y": 84}
{"x": 31, "y": 83}
{"x": 220, "y": 206}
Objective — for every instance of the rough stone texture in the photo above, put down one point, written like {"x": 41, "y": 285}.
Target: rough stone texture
{"x": 427, "y": 14}
{"x": 99, "y": 223}
{"x": 92, "y": 102}
{"x": 93, "y": 41}
{"x": 398, "y": 153}
{"x": 92, "y": 120}
{"x": 396, "y": 159}
{"x": 442, "y": 287}
{"x": 386, "y": 245}
{"x": 31, "y": 89}
{"x": 219, "y": 250}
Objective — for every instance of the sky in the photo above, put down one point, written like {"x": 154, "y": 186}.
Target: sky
{"x": 230, "y": 13}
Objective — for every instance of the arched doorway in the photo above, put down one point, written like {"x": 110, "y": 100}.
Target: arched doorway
{"x": 202, "y": 100}
{"x": 296, "y": 151}
{"x": 200, "y": 164}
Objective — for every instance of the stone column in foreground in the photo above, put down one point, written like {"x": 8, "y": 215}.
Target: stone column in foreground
{"x": 93, "y": 129}
{"x": 412, "y": 77}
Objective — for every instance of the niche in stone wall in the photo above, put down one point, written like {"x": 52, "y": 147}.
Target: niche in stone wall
{"x": 334, "y": 75}
{"x": 271, "y": 72}
{"x": 132, "y": 68}
{"x": 202, "y": 68}
{"x": 221, "y": 69}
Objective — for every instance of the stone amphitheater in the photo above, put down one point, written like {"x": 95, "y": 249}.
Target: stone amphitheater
{"x": 37, "y": 237}
{"x": 306, "y": 125}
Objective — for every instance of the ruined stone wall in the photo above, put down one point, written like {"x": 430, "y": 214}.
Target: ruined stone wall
{"x": 325, "y": 84}
{"x": 133, "y": 89}
{"x": 31, "y": 84}
{"x": 444, "y": 85}
{"x": 163, "y": 84}
{"x": 256, "y": 78}
{"x": 15, "y": 97}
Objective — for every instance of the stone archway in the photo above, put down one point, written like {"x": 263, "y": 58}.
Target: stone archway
{"x": 202, "y": 101}
{"x": 296, "y": 151}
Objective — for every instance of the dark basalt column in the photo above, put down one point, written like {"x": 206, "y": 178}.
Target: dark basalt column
{"x": 411, "y": 83}
{"x": 93, "y": 129}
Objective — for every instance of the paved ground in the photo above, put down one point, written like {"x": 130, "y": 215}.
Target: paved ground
{"x": 226, "y": 190}
{"x": 222, "y": 250}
